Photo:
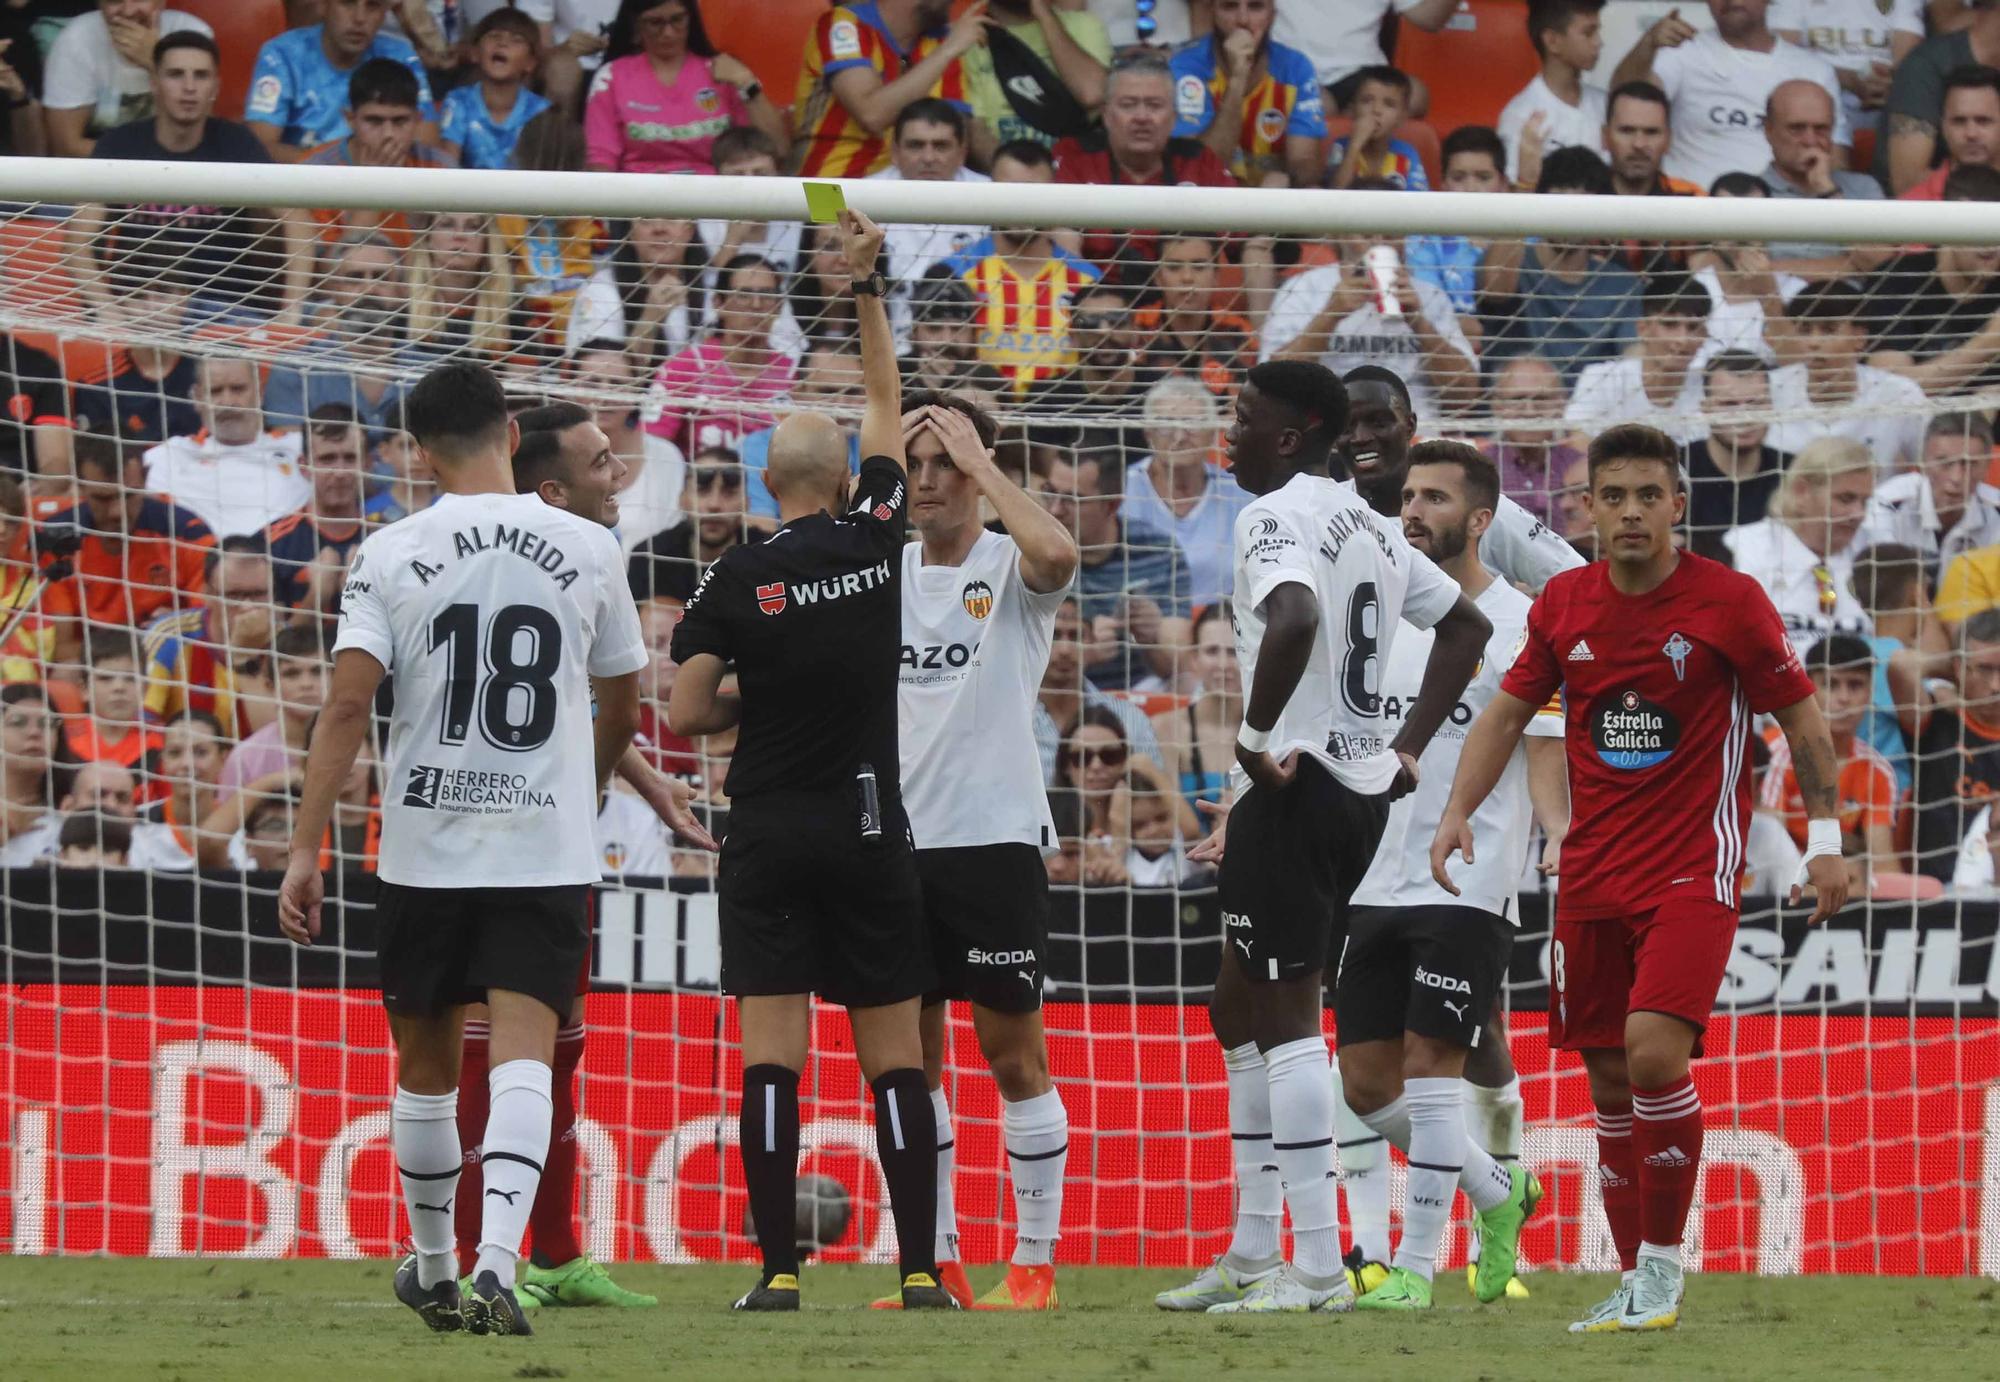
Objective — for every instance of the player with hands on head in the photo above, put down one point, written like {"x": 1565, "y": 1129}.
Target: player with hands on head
{"x": 495, "y": 766}
{"x": 1321, "y": 587}
{"x": 979, "y": 613}
{"x": 1663, "y": 659}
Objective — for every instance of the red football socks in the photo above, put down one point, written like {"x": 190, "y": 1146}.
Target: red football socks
{"x": 1618, "y": 1182}
{"x": 1666, "y": 1138}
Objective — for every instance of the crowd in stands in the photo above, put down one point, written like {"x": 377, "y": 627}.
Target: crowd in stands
{"x": 203, "y": 420}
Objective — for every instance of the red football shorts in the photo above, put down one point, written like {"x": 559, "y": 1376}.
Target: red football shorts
{"x": 1670, "y": 960}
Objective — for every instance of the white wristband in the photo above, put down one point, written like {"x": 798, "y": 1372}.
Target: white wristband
{"x": 1822, "y": 838}
{"x": 1255, "y": 740}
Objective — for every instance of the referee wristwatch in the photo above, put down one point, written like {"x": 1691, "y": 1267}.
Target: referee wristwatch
{"x": 872, "y": 286}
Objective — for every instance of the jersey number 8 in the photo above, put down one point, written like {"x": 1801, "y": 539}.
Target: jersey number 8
{"x": 515, "y": 699}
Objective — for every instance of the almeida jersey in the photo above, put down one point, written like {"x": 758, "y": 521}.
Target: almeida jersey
{"x": 1400, "y": 875}
{"x": 1366, "y": 579}
{"x": 491, "y": 613}
{"x": 975, "y": 645}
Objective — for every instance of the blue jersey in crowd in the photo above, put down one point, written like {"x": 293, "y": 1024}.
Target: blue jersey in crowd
{"x": 482, "y": 142}
{"x": 297, "y": 89}
{"x": 1286, "y": 102}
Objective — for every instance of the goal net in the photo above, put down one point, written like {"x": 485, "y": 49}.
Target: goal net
{"x": 202, "y": 419}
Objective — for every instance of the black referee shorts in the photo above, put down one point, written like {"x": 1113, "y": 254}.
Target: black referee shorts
{"x": 808, "y": 905}
{"x": 440, "y": 948}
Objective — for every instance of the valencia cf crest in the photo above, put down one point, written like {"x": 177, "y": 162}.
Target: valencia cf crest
{"x": 978, "y": 598}
{"x": 771, "y": 598}
{"x": 1270, "y": 124}
{"x": 708, "y": 100}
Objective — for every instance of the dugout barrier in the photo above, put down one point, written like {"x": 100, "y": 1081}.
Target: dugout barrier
{"x": 178, "y": 1080}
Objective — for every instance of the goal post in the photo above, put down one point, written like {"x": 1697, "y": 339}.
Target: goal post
{"x": 177, "y": 1079}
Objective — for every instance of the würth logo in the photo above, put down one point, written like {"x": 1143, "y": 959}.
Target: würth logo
{"x": 423, "y": 788}
{"x": 771, "y": 598}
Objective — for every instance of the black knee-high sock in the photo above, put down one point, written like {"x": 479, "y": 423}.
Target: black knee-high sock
{"x": 770, "y": 1148}
{"x": 906, "y": 1143}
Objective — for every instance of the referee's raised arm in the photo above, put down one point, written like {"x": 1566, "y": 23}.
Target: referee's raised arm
{"x": 882, "y": 417}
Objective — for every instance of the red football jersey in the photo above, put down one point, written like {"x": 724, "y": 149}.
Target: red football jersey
{"x": 1658, "y": 693}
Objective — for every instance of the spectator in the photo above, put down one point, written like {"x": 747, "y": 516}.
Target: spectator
{"x": 1732, "y": 471}
{"x": 1937, "y": 311}
{"x": 1944, "y": 508}
{"x": 1842, "y": 668}
{"x": 216, "y": 657}
{"x": 1657, "y": 384}
{"x": 360, "y": 358}
{"x": 1156, "y": 850}
{"x": 132, "y": 554}
{"x": 480, "y": 122}
{"x": 109, "y": 730}
{"x": 928, "y": 146}
{"x": 1573, "y": 517}
{"x": 1062, "y": 50}
{"x": 744, "y": 152}
{"x": 1893, "y": 585}
{"x": 1798, "y": 125}
{"x": 1969, "y": 122}
{"x": 1133, "y": 581}
{"x": 1830, "y": 393}
{"x": 1023, "y": 160}
{"x": 1136, "y": 145}
{"x": 1198, "y": 740}
{"x": 300, "y": 94}
{"x": 667, "y": 751}
{"x": 665, "y": 93}
{"x": 1341, "y": 315}
{"x": 944, "y": 340}
{"x": 671, "y": 563}
{"x": 1971, "y": 583}
{"x": 551, "y": 257}
{"x": 411, "y": 484}
{"x": 1093, "y": 407}
{"x": 1090, "y": 768}
{"x": 25, "y": 133}
{"x": 719, "y": 390}
{"x": 1747, "y": 299}
{"x": 649, "y": 302}
{"x": 1024, "y": 283}
{"x": 1179, "y": 489}
{"x": 1569, "y": 300}
{"x": 1803, "y": 553}
{"x": 1474, "y": 161}
{"x": 1181, "y": 331}
{"x": 263, "y": 841}
{"x": 188, "y": 763}
{"x": 461, "y": 291}
{"x": 1915, "y": 107}
{"x": 34, "y": 411}
{"x": 95, "y": 75}
{"x": 148, "y": 394}
{"x": 27, "y": 777}
{"x": 90, "y": 840}
{"x": 820, "y": 311}
{"x": 1958, "y": 751}
{"x": 383, "y": 107}
{"x": 1370, "y": 151}
{"x": 1557, "y": 109}
{"x": 99, "y": 793}
{"x": 280, "y": 746}
{"x": 1719, "y": 83}
{"x": 30, "y": 636}
{"x": 1254, "y": 102}
{"x": 1529, "y": 452}
{"x": 215, "y": 250}
{"x": 1344, "y": 40}
{"x": 575, "y": 44}
{"x": 1638, "y": 132}
{"x": 1863, "y": 39}
{"x": 233, "y": 475}
{"x": 863, "y": 63}
{"x": 310, "y": 549}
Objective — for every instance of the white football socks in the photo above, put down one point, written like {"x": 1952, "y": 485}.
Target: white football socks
{"x": 1493, "y": 1121}
{"x": 423, "y": 1129}
{"x": 1302, "y": 1138}
{"x": 1484, "y": 1181}
{"x": 1260, "y": 1195}
{"x": 1437, "y": 1159}
{"x": 1364, "y": 1177}
{"x": 1036, "y": 1132}
{"x": 946, "y": 1241}
{"x": 510, "y": 1161}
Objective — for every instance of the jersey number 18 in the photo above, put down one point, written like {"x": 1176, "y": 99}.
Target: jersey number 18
{"x": 515, "y": 699}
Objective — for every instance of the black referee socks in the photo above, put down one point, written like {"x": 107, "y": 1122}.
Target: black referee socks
{"x": 769, "y": 1141}
{"x": 906, "y": 1145}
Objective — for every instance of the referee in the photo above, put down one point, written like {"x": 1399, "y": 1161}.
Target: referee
{"x": 818, "y": 884}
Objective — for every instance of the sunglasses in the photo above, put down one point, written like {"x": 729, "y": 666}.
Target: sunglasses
{"x": 709, "y": 479}
{"x": 1110, "y": 755}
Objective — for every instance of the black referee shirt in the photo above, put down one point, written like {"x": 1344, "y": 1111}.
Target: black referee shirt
{"x": 812, "y": 619}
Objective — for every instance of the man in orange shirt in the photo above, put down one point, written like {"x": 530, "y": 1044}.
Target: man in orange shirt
{"x": 1842, "y": 668}
{"x": 863, "y": 63}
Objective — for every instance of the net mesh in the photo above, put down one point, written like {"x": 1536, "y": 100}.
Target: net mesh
{"x": 202, "y": 420}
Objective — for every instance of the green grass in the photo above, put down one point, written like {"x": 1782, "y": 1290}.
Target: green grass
{"x": 336, "y": 1322}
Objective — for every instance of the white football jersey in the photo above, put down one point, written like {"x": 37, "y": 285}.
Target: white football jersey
{"x": 1519, "y": 547}
{"x": 491, "y": 613}
{"x": 1366, "y": 580}
{"x": 975, "y": 645}
{"x": 1400, "y": 875}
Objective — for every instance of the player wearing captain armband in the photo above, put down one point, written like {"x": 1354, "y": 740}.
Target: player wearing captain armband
{"x": 1663, "y": 659}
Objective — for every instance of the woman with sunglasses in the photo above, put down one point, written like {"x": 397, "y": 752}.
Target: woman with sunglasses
{"x": 1094, "y": 762}
{"x": 665, "y": 93}
{"x": 737, "y": 371}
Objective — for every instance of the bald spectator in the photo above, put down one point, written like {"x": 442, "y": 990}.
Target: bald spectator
{"x": 1798, "y": 125}
{"x": 96, "y": 74}
{"x": 1916, "y": 96}
{"x": 1803, "y": 554}
{"x": 101, "y": 795}
{"x": 232, "y": 474}
{"x": 1528, "y": 401}
{"x": 1969, "y": 123}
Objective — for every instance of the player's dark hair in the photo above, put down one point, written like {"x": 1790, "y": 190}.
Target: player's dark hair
{"x": 982, "y": 421}
{"x": 622, "y": 38}
{"x": 1312, "y": 391}
{"x": 1887, "y": 576}
{"x": 1575, "y": 169}
{"x": 1738, "y": 185}
{"x": 1482, "y": 477}
{"x": 1029, "y": 153}
{"x": 1673, "y": 293}
{"x": 1972, "y": 182}
{"x": 932, "y": 110}
{"x": 1646, "y": 91}
{"x": 741, "y": 141}
{"x": 1983, "y": 627}
{"x": 456, "y": 408}
{"x": 1387, "y": 378}
{"x": 509, "y": 20}
{"x": 552, "y": 417}
{"x": 186, "y": 38}
{"x": 1839, "y": 650}
{"x": 383, "y": 82}
{"x": 1634, "y": 441}
{"x": 538, "y": 458}
{"x": 1473, "y": 139}
{"x": 1557, "y": 15}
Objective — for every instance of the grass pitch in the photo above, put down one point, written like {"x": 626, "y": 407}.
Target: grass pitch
{"x": 219, "y": 1321}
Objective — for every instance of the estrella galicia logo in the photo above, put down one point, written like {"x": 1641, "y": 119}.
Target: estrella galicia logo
{"x": 1677, "y": 650}
{"x": 423, "y": 788}
{"x": 978, "y": 599}
{"x": 1630, "y": 732}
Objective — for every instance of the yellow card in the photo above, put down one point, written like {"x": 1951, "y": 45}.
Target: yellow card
{"x": 824, "y": 201}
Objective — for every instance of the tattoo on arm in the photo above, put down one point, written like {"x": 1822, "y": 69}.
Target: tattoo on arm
{"x": 1911, "y": 124}
{"x": 1818, "y": 775}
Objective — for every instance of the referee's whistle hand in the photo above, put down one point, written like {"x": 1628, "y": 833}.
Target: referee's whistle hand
{"x": 1454, "y": 833}
{"x": 299, "y": 900}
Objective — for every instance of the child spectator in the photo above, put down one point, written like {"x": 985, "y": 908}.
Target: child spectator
{"x": 1474, "y": 161}
{"x": 481, "y": 121}
{"x": 1842, "y": 668}
{"x": 658, "y": 103}
{"x": 383, "y": 108}
{"x": 1733, "y": 471}
{"x": 1370, "y": 148}
{"x": 1155, "y": 855}
{"x": 1254, "y": 102}
{"x": 280, "y": 746}
{"x": 90, "y": 840}
{"x": 300, "y": 92}
{"x": 550, "y": 258}
{"x": 1557, "y": 109}
{"x": 95, "y": 75}
{"x": 745, "y": 152}
{"x": 189, "y": 761}
{"x": 1831, "y": 393}
{"x": 110, "y": 730}
{"x": 1892, "y": 585}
